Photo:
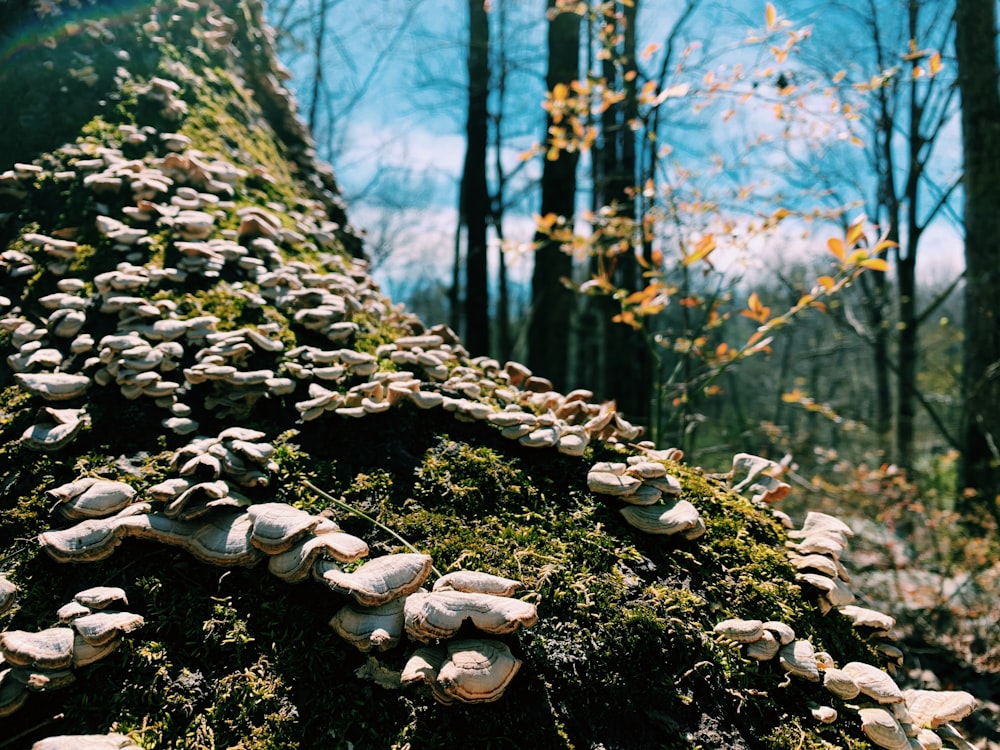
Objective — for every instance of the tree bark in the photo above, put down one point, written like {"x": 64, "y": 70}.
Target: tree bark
{"x": 551, "y": 300}
{"x": 978, "y": 81}
{"x": 475, "y": 193}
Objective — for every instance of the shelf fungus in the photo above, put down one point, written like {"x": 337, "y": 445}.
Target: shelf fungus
{"x": 877, "y": 623}
{"x": 278, "y": 526}
{"x": 477, "y": 671}
{"x": 873, "y": 682}
{"x": 111, "y": 741}
{"x": 476, "y": 582}
{"x": 740, "y": 631}
{"x": 92, "y": 499}
{"x": 366, "y": 628}
{"x": 798, "y": 658}
{"x": 53, "y": 386}
{"x": 932, "y": 708}
{"x": 296, "y": 564}
{"x": 882, "y": 728}
{"x": 440, "y": 614}
{"x": 468, "y": 671}
{"x": 100, "y": 597}
{"x": 377, "y": 581}
{"x": 840, "y": 684}
{"x": 51, "y": 648}
{"x": 54, "y": 429}
{"x": 8, "y": 593}
{"x": 676, "y": 517}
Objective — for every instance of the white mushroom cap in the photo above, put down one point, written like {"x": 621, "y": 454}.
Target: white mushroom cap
{"x": 932, "y": 708}
{"x": 881, "y": 727}
{"x": 873, "y": 682}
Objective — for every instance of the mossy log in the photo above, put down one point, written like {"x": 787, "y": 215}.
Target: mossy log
{"x": 102, "y": 96}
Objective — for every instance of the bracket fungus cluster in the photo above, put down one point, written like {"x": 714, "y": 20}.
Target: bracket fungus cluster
{"x": 90, "y": 628}
{"x": 889, "y": 716}
{"x": 468, "y": 670}
{"x": 650, "y": 493}
{"x": 199, "y": 285}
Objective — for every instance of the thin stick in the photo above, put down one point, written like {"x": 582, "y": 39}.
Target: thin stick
{"x": 344, "y": 506}
{"x": 29, "y": 730}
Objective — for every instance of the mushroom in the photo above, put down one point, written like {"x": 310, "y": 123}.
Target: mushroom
{"x": 295, "y": 564}
{"x": 8, "y": 592}
{"x": 741, "y": 631}
{"x": 85, "y": 653}
{"x": 53, "y": 386}
{"x": 440, "y": 614}
{"x": 278, "y": 526}
{"x": 798, "y": 658}
{"x": 87, "y": 541}
{"x": 13, "y": 694}
{"x": 112, "y": 741}
{"x": 476, "y": 582}
{"x": 841, "y": 684}
{"x": 477, "y": 671}
{"x": 100, "y": 597}
{"x": 873, "y": 682}
{"x": 879, "y": 622}
{"x": 784, "y": 633}
{"x": 377, "y": 581}
{"x": 882, "y": 728}
{"x": 47, "y": 649}
{"x": 824, "y": 714}
{"x": 367, "y": 627}
{"x": 100, "y": 627}
{"x": 225, "y": 540}
{"x": 98, "y": 500}
{"x": 54, "y": 428}
{"x": 932, "y": 708}
{"x": 676, "y": 517}
{"x": 764, "y": 648}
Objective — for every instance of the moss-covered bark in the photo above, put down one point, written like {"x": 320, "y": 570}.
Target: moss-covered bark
{"x": 623, "y": 654}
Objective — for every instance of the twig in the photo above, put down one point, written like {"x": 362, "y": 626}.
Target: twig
{"x": 29, "y": 730}
{"x": 344, "y": 506}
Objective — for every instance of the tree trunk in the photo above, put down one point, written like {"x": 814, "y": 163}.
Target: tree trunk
{"x": 551, "y": 301}
{"x": 978, "y": 81}
{"x": 475, "y": 194}
{"x": 627, "y": 359}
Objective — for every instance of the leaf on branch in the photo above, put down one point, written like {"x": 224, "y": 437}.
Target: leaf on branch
{"x": 650, "y": 50}
{"x": 934, "y": 64}
{"x": 702, "y": 250}
{"x": 771, "y": 16}
{"x": 855, "y": 232}
{"x": 756, "y": 310}
{"x": 827, "y": 282}
{"x": 836, "y": 246}
{"x": 875, "y": 264}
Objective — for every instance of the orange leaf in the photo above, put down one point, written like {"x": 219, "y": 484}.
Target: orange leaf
{"x": 875, "y": 264}
{"x": 836, "y": 246}
{"x": 935, "y": 63}
{"x": 772, "y": 16}
{"x": 701, "y": 251}
{"x": 721, "y": 350}
{"x": 854, "y": 233}
{"x": 827, "y": 282}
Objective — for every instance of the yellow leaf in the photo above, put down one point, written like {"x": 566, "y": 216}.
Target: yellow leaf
{"x": 875, "y": 264}
{"x": 836, "y": 246}
{"x": 705, "y": 246}
{"x": 772, "y": 16}
{"x": 935, "y": 63}
{"x": 884, "y": 245}
{"x": 854, "y": 233}
{"x": 827, "y": 282}
{"x": 560, "y": 92}
{"x": 841, "y": 74}
{"x": 650, "y": 51}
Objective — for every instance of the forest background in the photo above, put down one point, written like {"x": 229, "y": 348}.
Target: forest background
{"x": 757, "y": 228}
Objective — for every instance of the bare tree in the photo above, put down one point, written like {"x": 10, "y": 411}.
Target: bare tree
{"x": 551, "y": 300}
{"x": 979, "y": 80}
